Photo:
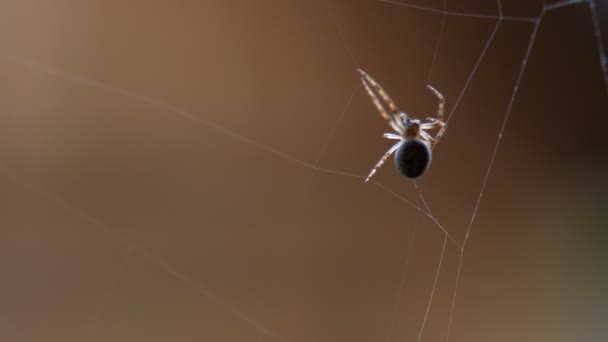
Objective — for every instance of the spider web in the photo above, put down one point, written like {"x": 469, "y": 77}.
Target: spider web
{"x": 257, "y": 234}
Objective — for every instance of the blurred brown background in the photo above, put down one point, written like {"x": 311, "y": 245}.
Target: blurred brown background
{"x": 191, "y": 171}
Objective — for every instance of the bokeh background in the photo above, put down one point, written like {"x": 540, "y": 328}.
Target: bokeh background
{"x": 192, "y": 171}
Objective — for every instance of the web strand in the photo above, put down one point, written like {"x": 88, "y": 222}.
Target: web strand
{"x": 474, "y": 71}
{"x": 562, "y": 3}
{"x": 492, "y": 159}
{"x": 421, "y": 196}
{"x": 533, "y": 35}
{"x": 335, "y": 126}
{"x": 430, "y": 216}
{"x": 599, "y": 41}
{"x": 428, "y": 307}
{"x": 144, "y": 252}
{"x": 503, "y": 125}
{"x": 451, "y": 316}
{"x": 340, "y": 33}
{"x": 441, "y": 30}
{"x": 437, "y": 224}
{"x": 460, "y": 14}
{"x": 403, "y": 282}
{"x": 347, "y": 49}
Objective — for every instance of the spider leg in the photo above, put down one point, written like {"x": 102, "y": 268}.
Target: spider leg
{"x": 442, "y": 130}
{"x": 392, "y": 122}
{"x": 392, "y": 136}
{"x": 427, "y": 136}
{"x": 433, "y": 123}
{"x": 394, "y": 119}
{"x": 439, "y": 120}
{"x": 391, "y": 105}
{"x": 383, "y": 159}
{"x": 441, "y": 106}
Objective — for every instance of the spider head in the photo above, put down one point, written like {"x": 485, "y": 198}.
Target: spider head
{"x": 412, "y": 128}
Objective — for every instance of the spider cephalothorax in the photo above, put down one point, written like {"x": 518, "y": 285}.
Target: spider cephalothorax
{"x": 412, "y": 129}
{"x": 413, "y": 155}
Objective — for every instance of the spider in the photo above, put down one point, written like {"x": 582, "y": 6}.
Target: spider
{"x": 414, "y": 147}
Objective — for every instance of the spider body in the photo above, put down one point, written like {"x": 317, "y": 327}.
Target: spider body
{"x": 413, "y": 150}
{"x": 412, "y": 158}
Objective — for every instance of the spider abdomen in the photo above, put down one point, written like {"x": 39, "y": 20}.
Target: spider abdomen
{"x": 413, "y": 157}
